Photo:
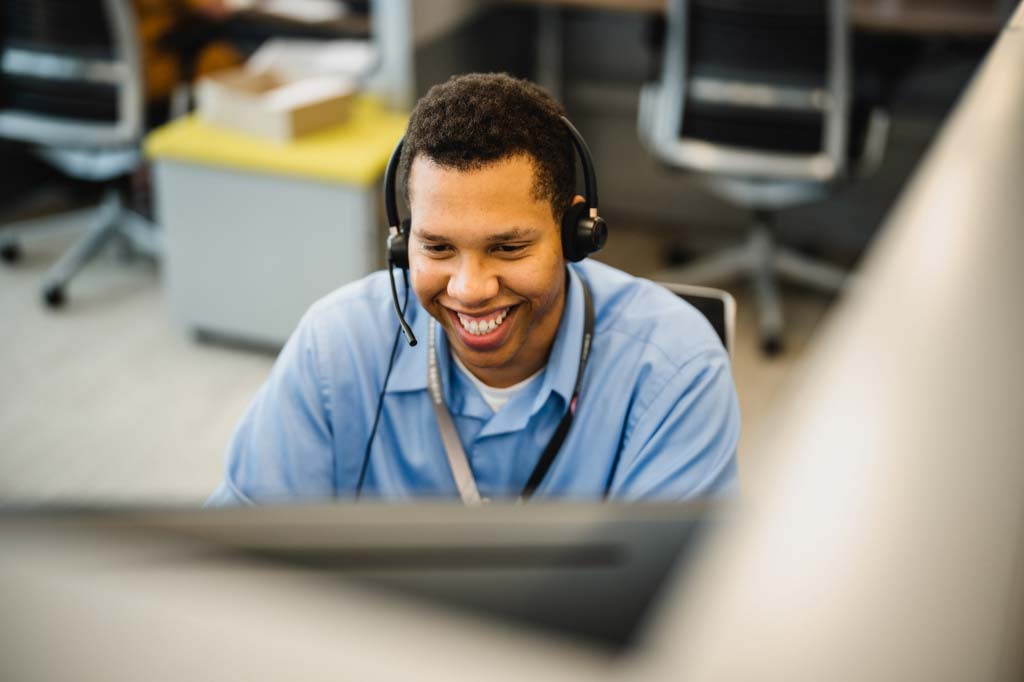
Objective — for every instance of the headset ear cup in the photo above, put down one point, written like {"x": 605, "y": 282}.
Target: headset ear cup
{"x": 581, "y": 234}
{"x": 597, "y": 234}
{"x": 570, "y": 229}
{"x": 398, "y": 246}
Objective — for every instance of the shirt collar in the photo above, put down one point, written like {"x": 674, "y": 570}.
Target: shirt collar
{"x": 410, "y": 372}
{"x": 564, "y": 359}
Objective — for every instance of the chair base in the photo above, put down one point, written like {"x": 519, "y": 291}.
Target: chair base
{"x": 111, "y": 220}
{"x": 761, "y": 260}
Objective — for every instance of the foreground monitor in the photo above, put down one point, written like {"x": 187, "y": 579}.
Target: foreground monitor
{"x": 585, "y": 573}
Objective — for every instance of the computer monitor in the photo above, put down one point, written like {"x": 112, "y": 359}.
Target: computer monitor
{"x": 586, "y": 571}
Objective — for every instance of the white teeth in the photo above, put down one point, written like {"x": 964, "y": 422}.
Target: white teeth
{"x": 478, "y": 327}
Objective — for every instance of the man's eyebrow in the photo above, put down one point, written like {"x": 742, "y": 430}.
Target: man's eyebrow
{"x": 429, "y": 236}
{"x": 512, "y": 234}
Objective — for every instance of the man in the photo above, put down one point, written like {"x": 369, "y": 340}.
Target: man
{"x": 488, "y": 171}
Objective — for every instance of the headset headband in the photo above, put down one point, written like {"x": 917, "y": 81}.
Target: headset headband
{"x": 589, "y": 176}
{"x": 390, "y": 204}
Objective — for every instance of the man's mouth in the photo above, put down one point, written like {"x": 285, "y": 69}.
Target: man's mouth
{"x": 484, "y": 332}
{"x": 479, "y": 325}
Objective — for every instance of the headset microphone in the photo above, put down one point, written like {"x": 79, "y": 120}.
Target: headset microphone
{"x": 398, "y": 245}
{"x": 406, "y": 329}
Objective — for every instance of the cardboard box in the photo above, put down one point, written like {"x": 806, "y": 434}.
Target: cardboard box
{"x": 268, "y": 105}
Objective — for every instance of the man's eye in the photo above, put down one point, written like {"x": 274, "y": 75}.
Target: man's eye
{"x": 436, "y": 248}
{"x": 509, "y": 248}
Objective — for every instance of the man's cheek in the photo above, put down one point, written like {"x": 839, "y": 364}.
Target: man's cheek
{"x": 425, "y": 284}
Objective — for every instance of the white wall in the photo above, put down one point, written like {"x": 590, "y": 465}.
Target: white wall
{"x": 399, "y": 26}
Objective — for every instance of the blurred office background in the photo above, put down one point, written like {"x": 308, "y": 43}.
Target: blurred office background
{"x": 109, "y": 393}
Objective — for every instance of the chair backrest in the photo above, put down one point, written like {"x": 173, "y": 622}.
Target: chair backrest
{"x": 753, "y": 89}
{"x": 70, "y": 73}
{"x": 718, "y": 306}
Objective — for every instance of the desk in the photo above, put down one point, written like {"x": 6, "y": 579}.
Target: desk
{"x": 956, "y": 17}
{"x": 353, "y": 24}
{"x": 255, "y": 231}
{"x": 961, "y": 18}
{"x": 261, "y": 23}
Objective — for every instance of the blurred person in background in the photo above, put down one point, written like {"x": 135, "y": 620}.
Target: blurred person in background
{"x": 179, "y": 43}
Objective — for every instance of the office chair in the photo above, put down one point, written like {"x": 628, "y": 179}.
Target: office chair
{"x": 71, "y": 87}
{"x": 759, "y": 100}
{"x": 717, "y": 305}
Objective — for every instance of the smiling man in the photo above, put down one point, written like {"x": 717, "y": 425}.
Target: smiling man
{"x": 488, "y": 172}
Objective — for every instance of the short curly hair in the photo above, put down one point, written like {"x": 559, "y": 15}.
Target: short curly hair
{"x": 476, "y": 119}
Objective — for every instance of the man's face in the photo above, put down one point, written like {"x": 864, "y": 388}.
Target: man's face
{"x": 485, "y": 256}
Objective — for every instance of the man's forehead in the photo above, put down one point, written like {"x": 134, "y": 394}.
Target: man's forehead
{"x": 519, "y": 163}
{"x": 464, "y": 203}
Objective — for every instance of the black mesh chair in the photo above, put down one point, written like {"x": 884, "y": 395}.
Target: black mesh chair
{"x": 71, "y": 87}
{"x": 759, "y": 100}
{"x": 718, "y": 306}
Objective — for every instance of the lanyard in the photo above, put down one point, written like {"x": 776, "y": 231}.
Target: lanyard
{"x": 457, "y": 460}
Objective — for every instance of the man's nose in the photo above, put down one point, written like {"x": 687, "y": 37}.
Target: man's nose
{"x": 473, "y": 283}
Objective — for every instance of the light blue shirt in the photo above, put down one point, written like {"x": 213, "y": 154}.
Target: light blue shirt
{"x": 657, "y": 416}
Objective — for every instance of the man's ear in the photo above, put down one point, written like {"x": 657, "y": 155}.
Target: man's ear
{"x": 578, "y": 199}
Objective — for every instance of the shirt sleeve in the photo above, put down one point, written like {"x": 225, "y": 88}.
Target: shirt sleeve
{"x": 683, "y": 444}
{"x": 283, "y": 446}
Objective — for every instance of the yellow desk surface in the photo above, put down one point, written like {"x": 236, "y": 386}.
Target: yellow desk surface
{"x": 355, "y": 152}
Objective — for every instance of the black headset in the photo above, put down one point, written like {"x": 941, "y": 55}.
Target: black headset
{"x": 583, "y": 231}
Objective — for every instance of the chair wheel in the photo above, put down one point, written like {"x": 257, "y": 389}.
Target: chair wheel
{"x": 54, "y": 296}
{"x": 771, "y": 345}
{"x": 10, "y": 252}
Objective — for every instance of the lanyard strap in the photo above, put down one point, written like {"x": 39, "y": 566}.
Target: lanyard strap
{"x": 457, "y": 460}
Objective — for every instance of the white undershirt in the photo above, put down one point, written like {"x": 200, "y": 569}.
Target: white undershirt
{"x": 496, "y": 397}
